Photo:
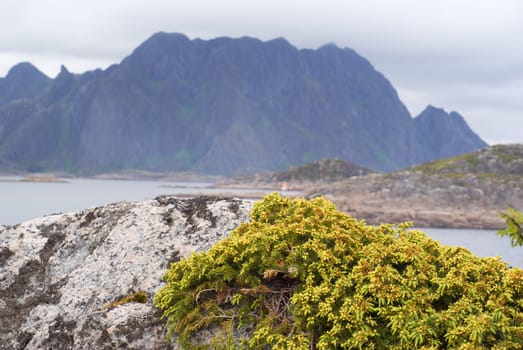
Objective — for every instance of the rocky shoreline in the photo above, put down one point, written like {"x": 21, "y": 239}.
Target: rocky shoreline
{"x": 374, "y": 209}
{"x": 467, "y": 191}
{"x": 367, "y": 198}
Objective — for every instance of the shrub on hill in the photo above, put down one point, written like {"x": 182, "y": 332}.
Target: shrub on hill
{"x": 302, "y": 275}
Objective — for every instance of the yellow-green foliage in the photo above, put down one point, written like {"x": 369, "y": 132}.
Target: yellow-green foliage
{"x": 302, "y": 275}
{"x": 514, "y": 229}
{"x": 137, "y": 297}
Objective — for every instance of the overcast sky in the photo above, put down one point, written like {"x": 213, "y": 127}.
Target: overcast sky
{"x": 461, "y": 55}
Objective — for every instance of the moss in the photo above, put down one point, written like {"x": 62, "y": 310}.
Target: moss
{"x": 302, "y": 275}
{"x": 136, "y": 297}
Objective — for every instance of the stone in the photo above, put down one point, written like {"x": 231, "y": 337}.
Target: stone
{"x": 59, "y": 273}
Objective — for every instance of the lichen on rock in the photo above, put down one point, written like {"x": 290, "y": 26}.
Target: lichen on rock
{"x": 57, "y": 272}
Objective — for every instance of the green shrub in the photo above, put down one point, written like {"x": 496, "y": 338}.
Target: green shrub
{"x": 302, "y": 275}
{"x": 514, "y": 230}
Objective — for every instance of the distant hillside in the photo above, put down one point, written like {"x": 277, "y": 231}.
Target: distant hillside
{"x": 328, "y": 170}
{"x": 464, "y": 191}
{"x": 221, "y": 106}
{"x": 298, "y": 177}
{"x": 498, "y": 161}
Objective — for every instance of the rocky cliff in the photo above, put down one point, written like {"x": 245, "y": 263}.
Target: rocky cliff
{"x": 221, "y": 106}
{"x": 69, "y": 281}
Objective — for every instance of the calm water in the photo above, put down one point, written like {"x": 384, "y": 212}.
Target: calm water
{"x": 479, "y": 242}
{"x": 21, "y": 201}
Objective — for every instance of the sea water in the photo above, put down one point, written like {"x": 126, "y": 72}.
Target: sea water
{"x": 480, "y": 242}
{"x": 21, "y": 201}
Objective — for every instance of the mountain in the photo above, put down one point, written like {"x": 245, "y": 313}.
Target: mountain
{"x": 434, "y": 123}
{"x": 22, "y": 81}
{"x": 220, "y": 106}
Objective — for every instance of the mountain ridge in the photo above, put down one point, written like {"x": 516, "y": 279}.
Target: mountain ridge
{"x": 220, "y": 106}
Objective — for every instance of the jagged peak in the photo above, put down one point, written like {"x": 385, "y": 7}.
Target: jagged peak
{"x": 279, "y": 41}
{"x": 24, "y": 70}
{"x": 64, "y": 73}
{"x": 159, "y": 42}
{"x": 22, "y": 81}
{"x": 168, "y": 36}
{"x": 437, "y": 112}
{"x": 332, "y": 49}
{"x": 163, "y": 38}
{"x": 430, "y": 109}
{"x": 329, "y": 46}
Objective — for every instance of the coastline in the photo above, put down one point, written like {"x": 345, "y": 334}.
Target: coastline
{"x": 380, "y": 206}
{"x": 374, "y": 207}
{"x": 393, "y": 212}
